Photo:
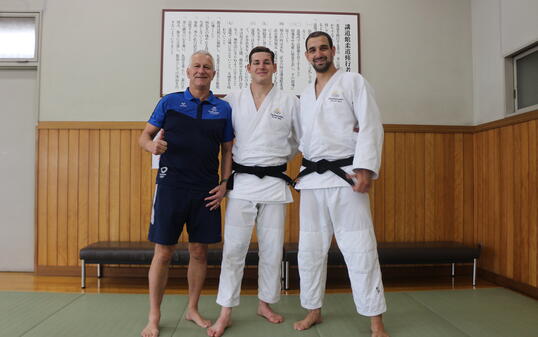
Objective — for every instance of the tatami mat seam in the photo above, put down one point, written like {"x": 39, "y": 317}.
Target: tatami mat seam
{"x": 437, "y": 314}
{"x": 182, "y": 316}
{"x": 52, "y": 314}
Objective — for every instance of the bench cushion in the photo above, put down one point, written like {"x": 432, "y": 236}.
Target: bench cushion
{"x": 402, "y": 253}
{"x": 120, "y": 252}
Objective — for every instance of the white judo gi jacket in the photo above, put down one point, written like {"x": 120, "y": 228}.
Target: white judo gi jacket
{"x": 327, "y": 128}
{"x": 263, "y": 137}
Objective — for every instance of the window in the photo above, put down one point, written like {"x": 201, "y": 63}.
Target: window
{"x": 526, "y": 80}
{"x": 19, "y": 39}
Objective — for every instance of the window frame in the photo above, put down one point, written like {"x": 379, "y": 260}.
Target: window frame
{"x": 24, "y": 62}
{"x": 515, "y": 58}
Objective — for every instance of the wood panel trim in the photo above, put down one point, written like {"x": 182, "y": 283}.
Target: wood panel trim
{"x": 521, "y": 118}
{"x": 508, "y": 283}
{"x": 415, "y": 128}
{"x": 92, "y": 125}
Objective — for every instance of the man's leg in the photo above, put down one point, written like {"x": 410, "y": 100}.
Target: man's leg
{"x": 270, "y": 231}
{"x": 158, "y": 276}
{"x": 314, "y": 241}
{"x": 196, "y": 278}
{"x": 350, "y": 214}
{"x": 238, "y": 224}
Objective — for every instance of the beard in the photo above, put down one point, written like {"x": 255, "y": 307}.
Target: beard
{"x": 322, "y": 68}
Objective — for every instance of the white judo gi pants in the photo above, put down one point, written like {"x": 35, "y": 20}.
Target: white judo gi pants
{"x": 239, "y": 221}
{"x": 347, "y": 214}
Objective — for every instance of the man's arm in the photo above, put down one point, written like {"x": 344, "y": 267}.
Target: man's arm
{"x": 148, "y": 143}
{"x": 225, "y": 170}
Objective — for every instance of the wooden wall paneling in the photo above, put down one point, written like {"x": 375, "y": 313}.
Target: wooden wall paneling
{"x": 42, "y": 202}
{"x": 104, "y": 185}
{"x": 125, "y": 185}
{"x": 409, "y": 196}
{"x": 519, "y": 249}
{"x": 441, "y": 216}
{"x": 509, "y": 176}
{"x": 93, "y": 187}
{"x": 83, "y": 191}
{"x": 52, "y": 199}
{"x": 449, "y": 186}
{"x": 292, "y": 223}
{"x": 420, "y": 186}
{"x": 389, "y": 187}
{"x": 533, "y": 201}
{"x": 63, "y": 180}
{"x": 146, "y": 198}
{"x": 114, "y": 185}
{"x": 458, "y": 179}
{"x": 135, "y": 184}
{"x": 496, "y": 196}
{"x": 399, "y": 190}
{"x": 72, "y": 198}
{"x": 469, "y": 237}
{"x": 429, "y": 187}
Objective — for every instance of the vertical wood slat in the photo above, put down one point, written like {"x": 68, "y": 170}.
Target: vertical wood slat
{"x": 63, "y": 181}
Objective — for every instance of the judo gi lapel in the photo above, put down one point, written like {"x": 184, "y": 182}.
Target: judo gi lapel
{"x": 316, "y": 109}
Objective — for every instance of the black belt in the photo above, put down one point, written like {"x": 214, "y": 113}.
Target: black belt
{"x": 324, "y": 165}
{"x": 260, "y": 172}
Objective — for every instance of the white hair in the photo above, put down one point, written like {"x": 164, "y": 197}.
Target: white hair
{"x": 206, "y": 53}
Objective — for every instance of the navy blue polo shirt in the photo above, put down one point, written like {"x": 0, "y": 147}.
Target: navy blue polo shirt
{"x": 194, "y": 132}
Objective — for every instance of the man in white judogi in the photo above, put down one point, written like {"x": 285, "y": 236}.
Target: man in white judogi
{"x": 264, "y": 121}
{"x": 338, "y": 167}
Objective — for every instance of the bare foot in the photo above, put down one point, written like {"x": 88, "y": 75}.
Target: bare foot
{"x": 194, "y": 316}
{"x": 265, "y": 311}
{"x": 377, "y": 327}
{"x": 223, "y": 322}
{"x": 313, "y": 317}
{"x": 151, "y": 330}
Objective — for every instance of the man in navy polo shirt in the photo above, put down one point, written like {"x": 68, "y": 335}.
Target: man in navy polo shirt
{"x": 195, "y": 126}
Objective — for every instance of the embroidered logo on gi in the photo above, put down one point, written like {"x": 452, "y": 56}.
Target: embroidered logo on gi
{"x": 183, "y": 105}
{"x": 277, "y": 114}
{"x": 162, "y": 172}
{"x": 214, "y": 111}
{"x": 335, "y": 97}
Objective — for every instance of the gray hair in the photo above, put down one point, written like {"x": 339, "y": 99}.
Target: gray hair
{"x": 203, "y": 52}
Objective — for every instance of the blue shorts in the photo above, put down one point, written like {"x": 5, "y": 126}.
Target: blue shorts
{"x": 174, "y": 207}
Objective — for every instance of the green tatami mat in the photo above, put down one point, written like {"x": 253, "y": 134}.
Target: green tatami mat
{"x": 495, "y": 312}
{"x": 405, "y": 318}
{"x": 245, "y": 322}
{"x": 110, "y": 315}
{"x": 20, "y": 312}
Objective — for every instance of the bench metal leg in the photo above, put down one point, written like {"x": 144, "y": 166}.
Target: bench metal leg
{"x": 83, "y": 274}
{"x": 453, "y": 269}
{"x": 287, "y": 279}
{"x": 282, "y": 275}
{"x": 99, "y": 270}
{"x": 474, "y": 272}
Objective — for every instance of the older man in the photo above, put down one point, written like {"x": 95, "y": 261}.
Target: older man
{"x": 338, "y": 167}
{"x": 196, "y": 125}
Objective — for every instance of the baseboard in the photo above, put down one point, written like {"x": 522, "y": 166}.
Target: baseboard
{"x": 508, "y": 283}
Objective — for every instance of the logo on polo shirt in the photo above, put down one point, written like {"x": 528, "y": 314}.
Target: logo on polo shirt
{"x": 277, "y": 114}
{"x": 183, "y": 105}
{"x": 214, "y": 111}
{"x": 162, "y": 172}
{"x": 335, "y": 97}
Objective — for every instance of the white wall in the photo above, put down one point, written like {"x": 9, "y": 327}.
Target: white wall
{"x": 499, "y": 28}
{"x": 18, "y": 111}
{"x": 101, "y": 59}
{"x": 18, "y": 93}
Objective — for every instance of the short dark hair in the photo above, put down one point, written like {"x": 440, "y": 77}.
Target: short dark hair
{"x": 318, "y": 34}
{"x": 261, "y": 49}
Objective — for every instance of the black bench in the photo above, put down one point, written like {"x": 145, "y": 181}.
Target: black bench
{"x": 397, "y": 253}
{"x": 119, "y": 252}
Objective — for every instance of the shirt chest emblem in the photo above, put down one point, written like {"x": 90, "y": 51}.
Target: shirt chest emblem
{"x": 277, "y": 114}
{"x": 214, "y": 111}
{"x": 335, "y": 97}
{"x": 182, "y": 105}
